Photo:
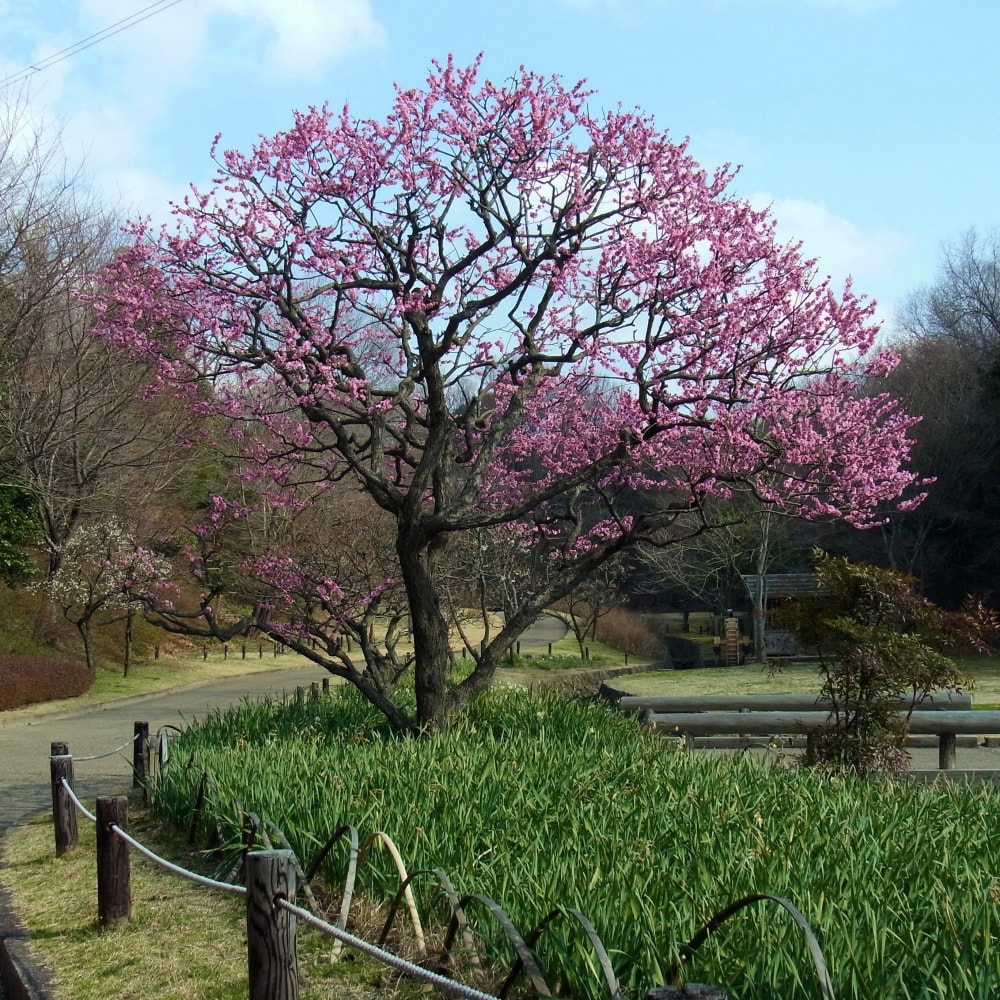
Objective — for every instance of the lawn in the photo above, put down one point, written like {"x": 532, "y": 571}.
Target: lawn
{"x": 650, "y": 842}
{"x": 793, "y": 678}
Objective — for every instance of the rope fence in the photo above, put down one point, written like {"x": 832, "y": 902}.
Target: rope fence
{"x": 386, "y": 957}
{"x": 263, "y": 895}
{"x": 109, "y": 753}
{"x": 273, "y": 878}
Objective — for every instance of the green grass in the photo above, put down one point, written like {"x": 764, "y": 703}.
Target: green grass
{"x": 182, "y": 942}
{"x": 792, "y": 678}
{"x": 538, "y": 802}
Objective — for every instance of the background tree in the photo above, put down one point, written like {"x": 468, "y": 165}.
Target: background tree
{"x": 950, "y": 358}
{"x": 77, "y": 432}
{"x": 101, "y": 564}
{"x": 19, "y": 529}
{"x": 742, "y": 538}
{"x": 421, "y": 305}
{"x": 592, "y": 599}
{"x": 487, "y": 569}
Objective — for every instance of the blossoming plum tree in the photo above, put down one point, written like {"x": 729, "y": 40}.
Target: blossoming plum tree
{"x": 495, "y": 307}
{"x": 100, "y": 567}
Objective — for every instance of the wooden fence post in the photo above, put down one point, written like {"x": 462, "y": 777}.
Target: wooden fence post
{"x": 114, "y": 889}
{"x": 314, "y": 690}
{"x": 140, "y": 754}
{"x": 63, "y": 809}
{"x": 326, "y": 685}
{"x": 271, "y": 949}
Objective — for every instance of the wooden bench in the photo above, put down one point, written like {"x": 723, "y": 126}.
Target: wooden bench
{"x": 942, "y": 716}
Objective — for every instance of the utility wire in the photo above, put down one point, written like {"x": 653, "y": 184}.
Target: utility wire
{"x": 85, "y": 43}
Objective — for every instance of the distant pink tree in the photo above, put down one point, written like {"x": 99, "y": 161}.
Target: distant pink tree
{"x": 497, "y": 306}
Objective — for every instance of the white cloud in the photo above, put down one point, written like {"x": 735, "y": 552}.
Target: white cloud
{"x": 121, "y": 101}
{"x": 302, "y": 36}
{"x": 634, "y": 8}
{"x": 842, "y": 248}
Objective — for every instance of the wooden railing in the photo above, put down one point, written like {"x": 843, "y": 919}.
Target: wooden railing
{"x": 943, "y": 716}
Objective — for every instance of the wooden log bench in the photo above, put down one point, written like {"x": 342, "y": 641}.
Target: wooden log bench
{"x": 941, "y": 718}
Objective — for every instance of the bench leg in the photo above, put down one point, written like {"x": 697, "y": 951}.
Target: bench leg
{"x": 947, "y": 743}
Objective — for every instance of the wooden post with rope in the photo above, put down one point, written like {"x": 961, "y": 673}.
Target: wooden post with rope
{"x": 114, "y": 886}
{"x": 63, "y": 809}
{"x": 140, "y": 754}
{"x": 271, "y": 949}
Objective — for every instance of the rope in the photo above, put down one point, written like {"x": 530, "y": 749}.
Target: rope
{"x": 209, "y": 883}
{"x": 110, "y": 753}
{"x": 79, "y": 805}
{"x": 386, "y": 957}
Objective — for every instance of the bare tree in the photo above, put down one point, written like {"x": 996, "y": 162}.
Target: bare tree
{"x": 592, "y": 600}
{"x": 76, "y": 431}
{"x": 963, "y": 305}
{"x": 950, "y": 372}
{"x": 741, "y": 539}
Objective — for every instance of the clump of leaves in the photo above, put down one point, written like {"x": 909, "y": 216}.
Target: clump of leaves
{"x": 19, "y": 527}
{"x": 879, "y": 640}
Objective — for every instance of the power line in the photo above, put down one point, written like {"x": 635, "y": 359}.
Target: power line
{"x": 85, "y": 43}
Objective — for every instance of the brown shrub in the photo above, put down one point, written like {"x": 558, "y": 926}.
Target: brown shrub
{"x": 626, "y": 630}
{"x": 27, "y": 680}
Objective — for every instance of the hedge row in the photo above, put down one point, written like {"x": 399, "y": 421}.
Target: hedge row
{"x": 26, "y": 680}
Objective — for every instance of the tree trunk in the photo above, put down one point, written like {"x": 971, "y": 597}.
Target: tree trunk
{"x": 430, "y": 632}
{"x": 760, "y": 600}
{"x": 129, "y": 616}
{"x": 88, "y": 653}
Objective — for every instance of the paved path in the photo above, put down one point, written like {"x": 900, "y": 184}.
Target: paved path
{"x": 548, "y": 628}
{"x": 25, "y": 739}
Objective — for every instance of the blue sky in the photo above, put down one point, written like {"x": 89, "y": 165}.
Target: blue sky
{"x": 871, "y": 126}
